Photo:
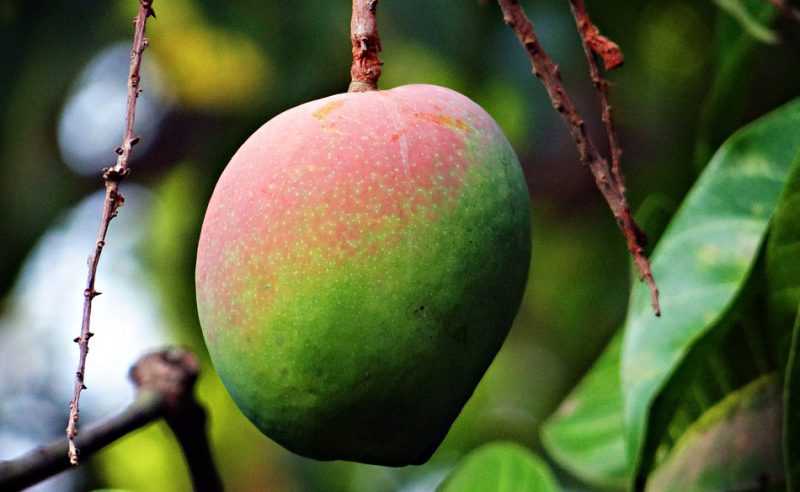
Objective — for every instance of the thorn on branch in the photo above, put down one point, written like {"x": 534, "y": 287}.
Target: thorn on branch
{"x": 112, "y": 176}
{"x": 89, "y": 294}
{"x": 148, "y": 6}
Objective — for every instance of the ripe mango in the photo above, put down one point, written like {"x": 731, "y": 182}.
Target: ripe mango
{"x": 360, "y": 263}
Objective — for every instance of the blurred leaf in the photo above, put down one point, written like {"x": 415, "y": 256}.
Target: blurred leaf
{"x": 733, "y": 446}
{"x": 733, "y": 62}
{"x": 749, "y": 22}
{"x": 701, "y": 264}
{"x": 672, "y": 33}
{"x": 501, "y": 407}
{"x": 212, "y": 68}
{"x": 586, "y": 433}
{"x": 783, "y": 256}
{"x": 500, "y": 467}
{"x": 791, "y": 412}
{"x": 414, "y": 63}
{"x": 159, "y": 463}
{"x": 508, "y": 105}
{"x": 170, "y": 246}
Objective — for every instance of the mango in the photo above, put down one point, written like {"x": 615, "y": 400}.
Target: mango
{"x": 360, "y": 263}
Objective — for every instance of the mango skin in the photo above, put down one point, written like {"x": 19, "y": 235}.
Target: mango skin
{"x": 360, "y": 263}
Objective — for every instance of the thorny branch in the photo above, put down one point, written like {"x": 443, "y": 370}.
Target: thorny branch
{"x": 608, "y": 179}
{"x": 112, "y": 176}
{"x": 366, "y": 68}
{"x": 165, "y": 384}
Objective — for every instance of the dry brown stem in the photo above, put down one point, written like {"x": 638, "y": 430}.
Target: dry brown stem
{"x": 608, "y": 179}
{"x": 112, "y": 177}
{"x": 366, "y": 68}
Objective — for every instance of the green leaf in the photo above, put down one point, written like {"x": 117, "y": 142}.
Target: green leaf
{"x": 783, "y": 277}
{"x": 733, "y": 446}
{"x": 749, "y": 22}
{"x": 701, "y": 264}
{"x": 791, "y": 411}
{"x": 500, "y": 467}
{"x": 783, "y": 257}
{"x": 585, "y": 435}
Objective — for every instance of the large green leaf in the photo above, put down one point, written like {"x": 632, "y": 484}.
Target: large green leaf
{"x": 701, "y": 264}
{"x": 791, "y": 411}
{"x": 735, "y": 445}
{"x": 783, "y": 257}
{"x": 585, "y": 435}
{"x": 500, "y": 467}
{"x": 783, "y": 278}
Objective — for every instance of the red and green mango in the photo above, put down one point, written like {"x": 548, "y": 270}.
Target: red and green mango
{"x": 360, "y": 263}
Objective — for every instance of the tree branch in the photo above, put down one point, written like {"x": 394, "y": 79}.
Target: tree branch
{"x": 112, "y": 177}
{"x": 165, "y": 383}
{"x": 49, "y": 460}
{"x": 608, "y": 180}
{"x": 596, "y": 44}
{"x": 366, "y": 68}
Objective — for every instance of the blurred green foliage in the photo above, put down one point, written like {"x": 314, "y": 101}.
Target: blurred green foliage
{"x": 692, "y": 76}
{"x": 500, "y": 467}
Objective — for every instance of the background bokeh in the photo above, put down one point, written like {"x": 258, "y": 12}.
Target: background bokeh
{"x": 216, "y": 71}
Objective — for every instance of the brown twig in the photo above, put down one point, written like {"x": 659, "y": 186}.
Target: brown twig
{"x": 366, "y": 68}
{"x": 786, "y": 9}
{"x": 605, "y": 178}
{"x": 165, "y": 382}
{"x": 112, "y": 177}
{"x": 596, "y": 44}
